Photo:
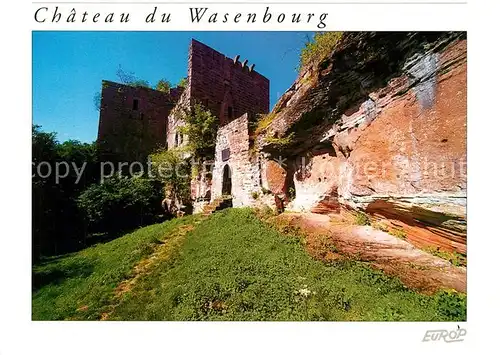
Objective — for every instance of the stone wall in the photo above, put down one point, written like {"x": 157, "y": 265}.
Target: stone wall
{"x": 226, "y": 87}
{"x": 233, "y": 150}
{"x": 229, "y": 89}
{"x": 132, "y": 121}
{"x": 174, "y": 120}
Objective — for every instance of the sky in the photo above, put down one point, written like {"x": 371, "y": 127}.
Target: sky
{"x": 68, "y": 68}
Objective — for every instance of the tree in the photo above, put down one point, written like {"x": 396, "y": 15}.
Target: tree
{"x": 129, "y": 78}
{"x": 163, "y": 85}
{"x": 58, "y": 226}
{"x": 43, "y": 145}
{"x": 173, "y": 170}
{"x": 97, "y": 101}
{"x": 183, "y": 83}
{"x": 120, "y": 203}
{"x": 201, "y": 129}
{"x": 44, "y": 149}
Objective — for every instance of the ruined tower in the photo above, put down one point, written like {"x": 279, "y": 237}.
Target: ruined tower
{"x": 133, "y": 121}
{"x": 228, "y": 87}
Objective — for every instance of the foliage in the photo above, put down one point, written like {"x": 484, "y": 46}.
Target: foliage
{"x": 76, "y": 151}
{"x": 43, "y": 144}
{"x": 452, "y": 305}
{"x": 320, "y": 47}
{"x": 362, "y": 219}
{"x": 230, "y": 267}
{"x": 97, "y": 100}
{"x": 398, "y": 233}
{"x": 265, "y": 213}
{"x": 380, "y": 226}
{"x": 266, "y": 191}
{"x": 172, "y": 169}
{"x": 119, "y": 203}
{"x": 263, "y": 121}
{"x": 182, "y": 83}
{"x": 280, "y": 142}
{"x": 163, "y": 85}
{"x": 455, "y": 258}
{"x": 57, "y": 224}
{"x": 129, "y": 78}
{"x": 201, "y": 129}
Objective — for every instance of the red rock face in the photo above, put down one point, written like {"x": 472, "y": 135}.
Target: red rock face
{"x": 399, "y": 149}
{"x": 276, "y": 177}
{"x": 317, "y": 181}
{"x": 410, "y": 149}
{"x": 417, "y": 154}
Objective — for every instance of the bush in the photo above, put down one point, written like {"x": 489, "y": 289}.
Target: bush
{"x": 182, "y": 83}
{"x": 280, "y": 143}
{"x": 266, "y": 191}
{"x": 121, "y": 203}
{"x": 398, "y": 233}
{"x": 263, "y": 121}
{"x": 452, "y": 305}
{"x": 381, "y": 227}
{"x": 163, "y": 85}
{"x": 173, "y": 170}
{"x": 362, "y": 219}
{"x": 265, "y": 213}
{"x": 321, "y": 46}
{"x": 201, "y": 129}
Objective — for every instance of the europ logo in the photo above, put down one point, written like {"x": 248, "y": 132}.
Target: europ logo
{"x": 448, "y": 336}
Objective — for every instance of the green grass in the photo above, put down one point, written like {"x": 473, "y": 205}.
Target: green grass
{"x": 455, "y": 258}
{"x": 320, "y": 47}
{"x": 232, "y": 266}
{"x": 88, "y": 278}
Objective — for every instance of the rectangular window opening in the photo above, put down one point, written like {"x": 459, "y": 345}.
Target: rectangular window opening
{"x": 135, "y": 105}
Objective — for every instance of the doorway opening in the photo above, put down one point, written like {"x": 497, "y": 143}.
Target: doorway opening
{"x": 226, "y": 181}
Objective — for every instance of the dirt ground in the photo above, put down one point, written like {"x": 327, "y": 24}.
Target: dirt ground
{"x": 332, "y": 237}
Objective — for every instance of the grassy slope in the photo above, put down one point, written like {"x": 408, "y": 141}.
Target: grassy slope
{"x": 88, "y": 278}
{"x": 232, "y": 267}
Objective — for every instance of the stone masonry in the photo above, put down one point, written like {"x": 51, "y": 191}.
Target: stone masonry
{"x": 227, "y": 87}
{"x": 232, "y": 152}
{"x": 133, "y": 121}
{"x": 234, "y": 92}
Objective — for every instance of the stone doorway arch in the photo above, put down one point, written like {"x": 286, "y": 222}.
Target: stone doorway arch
{"x": 226, "y": 180}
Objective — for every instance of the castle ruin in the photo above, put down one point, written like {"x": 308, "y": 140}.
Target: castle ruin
{"x": 135, "y": 121}
{"x": 370, "y": 130}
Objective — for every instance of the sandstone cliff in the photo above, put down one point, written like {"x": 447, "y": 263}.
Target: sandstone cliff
{"x": 378, "y": 126}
